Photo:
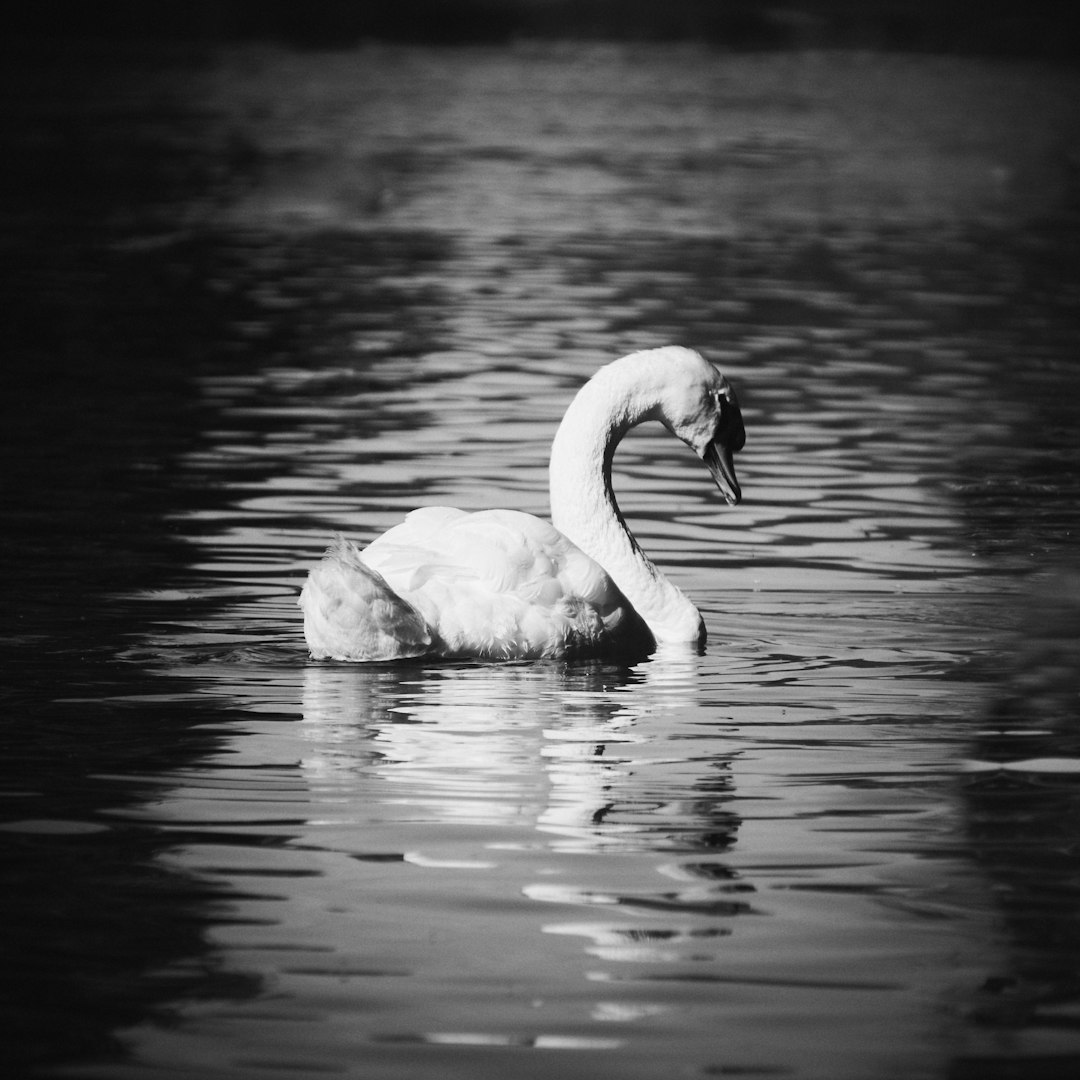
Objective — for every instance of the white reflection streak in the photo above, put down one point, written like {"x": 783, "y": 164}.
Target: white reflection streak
{"x": 583, "y": 777}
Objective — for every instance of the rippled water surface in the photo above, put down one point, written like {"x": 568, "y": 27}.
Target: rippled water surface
{"x": 841, "y": 843}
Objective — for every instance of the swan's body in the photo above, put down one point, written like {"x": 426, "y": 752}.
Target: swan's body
{"x": 502, "y": 584}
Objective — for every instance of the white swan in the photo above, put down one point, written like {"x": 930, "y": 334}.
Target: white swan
{"x": 502, "y": 584}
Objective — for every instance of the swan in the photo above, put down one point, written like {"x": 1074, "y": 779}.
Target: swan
{"x": 502, "y": 584}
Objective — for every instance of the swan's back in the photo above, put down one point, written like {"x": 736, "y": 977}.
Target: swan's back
{"x": 498, "y": 584}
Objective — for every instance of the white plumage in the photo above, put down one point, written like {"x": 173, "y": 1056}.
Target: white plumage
{"x": 501, "y": 584}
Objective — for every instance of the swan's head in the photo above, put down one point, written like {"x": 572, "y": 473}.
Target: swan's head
{"x": 699, "y": 406}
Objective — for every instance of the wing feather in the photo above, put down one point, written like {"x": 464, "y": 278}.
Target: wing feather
{"x": 499, "y": 583}
{"x": 351, "y": 613}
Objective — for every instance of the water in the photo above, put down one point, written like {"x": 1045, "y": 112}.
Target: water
{"x": 297, "y": 294}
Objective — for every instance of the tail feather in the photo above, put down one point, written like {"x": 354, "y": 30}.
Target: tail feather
{"x": 351, "y": 613}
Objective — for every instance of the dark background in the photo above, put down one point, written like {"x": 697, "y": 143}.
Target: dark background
{"x": 991, "y": 27}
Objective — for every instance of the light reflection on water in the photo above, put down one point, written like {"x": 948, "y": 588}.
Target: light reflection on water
{"x": 787, "y": 856}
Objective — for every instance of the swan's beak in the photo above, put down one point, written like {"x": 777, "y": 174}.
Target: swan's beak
{"x": 721, "y": 463}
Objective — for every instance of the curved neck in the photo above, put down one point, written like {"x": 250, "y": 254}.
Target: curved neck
{"x": 583, "y": 506}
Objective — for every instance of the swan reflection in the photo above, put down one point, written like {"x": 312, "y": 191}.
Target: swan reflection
{"x": 579, "y": 752}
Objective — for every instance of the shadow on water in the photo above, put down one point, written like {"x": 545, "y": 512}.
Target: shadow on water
{"x": 1021, "y": 796}
{"x": 97, "y": 350}
{"x": 101, "y": 344}
{"x": 1021, "y": 799}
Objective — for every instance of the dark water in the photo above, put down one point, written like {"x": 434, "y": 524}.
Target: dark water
{"x": 257, "y": 300}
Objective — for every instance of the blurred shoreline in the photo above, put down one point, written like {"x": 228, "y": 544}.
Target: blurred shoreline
{"x": 997, "y": 28}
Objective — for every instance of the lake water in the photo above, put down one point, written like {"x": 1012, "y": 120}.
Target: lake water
{"x": 258, "y": 300}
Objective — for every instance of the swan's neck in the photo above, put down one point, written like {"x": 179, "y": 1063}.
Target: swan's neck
{"x": 583, "y": 506}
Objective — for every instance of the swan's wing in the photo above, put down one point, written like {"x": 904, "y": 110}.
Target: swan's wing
{"x": 351, "y": 613}
{"x": 501, "y": 583}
